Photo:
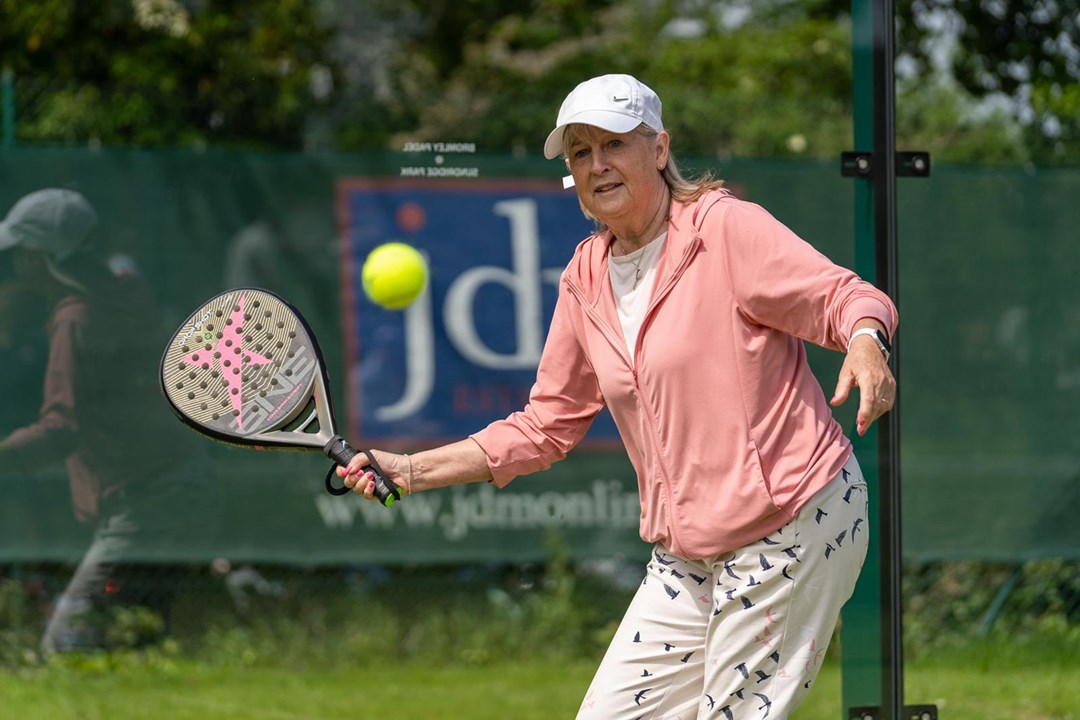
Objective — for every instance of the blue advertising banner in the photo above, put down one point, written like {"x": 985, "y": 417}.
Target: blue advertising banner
{"x": 465, "y": 353}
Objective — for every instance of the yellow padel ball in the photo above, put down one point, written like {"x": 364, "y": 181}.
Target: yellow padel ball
{"x": 394, "y": 275}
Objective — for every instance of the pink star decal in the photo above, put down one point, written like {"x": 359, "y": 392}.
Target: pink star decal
{"x": 231, "y": 357}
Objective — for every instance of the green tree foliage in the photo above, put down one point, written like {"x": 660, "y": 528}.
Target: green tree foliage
{"x": 758, "y": 90}
{"x": 484, "y": 72}
{"x": 166, "y": 73}
{"x": 762, "y": 78}
{"x": 942, "y": 119}
{"x": 1027, "y": 53}
{"x": 769, "y": 78}
{"x": 752, "y": 90}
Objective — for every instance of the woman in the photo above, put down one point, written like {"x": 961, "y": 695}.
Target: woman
{"x": 685, "y": 314}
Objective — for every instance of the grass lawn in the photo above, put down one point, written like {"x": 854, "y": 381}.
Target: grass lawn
{"x": 535, "y": 691}
{"x": 200, "y": 693}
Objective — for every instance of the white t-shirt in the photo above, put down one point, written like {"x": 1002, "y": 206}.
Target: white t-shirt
{"x": 632, "y": 278}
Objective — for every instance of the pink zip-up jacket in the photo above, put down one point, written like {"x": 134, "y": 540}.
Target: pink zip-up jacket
{"x": 727, "y": 428}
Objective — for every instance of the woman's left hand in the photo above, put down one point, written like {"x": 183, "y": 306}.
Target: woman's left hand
{"x": 865, "y": 366}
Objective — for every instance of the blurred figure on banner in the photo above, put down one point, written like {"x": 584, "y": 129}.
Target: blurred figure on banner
{"x": 133, "y": 476}
{"x": 289, "y": 247}
{"x": 23, "y": 350}
{"x": 686, "y": 315}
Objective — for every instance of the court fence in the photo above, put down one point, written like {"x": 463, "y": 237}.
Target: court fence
{"x": 990, "y": 336}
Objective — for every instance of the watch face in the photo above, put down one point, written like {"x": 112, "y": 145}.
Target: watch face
{"x": 886, "y": 346}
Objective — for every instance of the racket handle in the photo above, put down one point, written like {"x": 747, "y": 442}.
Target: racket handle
{"x": 341, "y": 452}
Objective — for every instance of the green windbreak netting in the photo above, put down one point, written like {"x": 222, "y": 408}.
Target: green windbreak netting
{"x": 990, "y": 296}
{"x": 989, "y": 341}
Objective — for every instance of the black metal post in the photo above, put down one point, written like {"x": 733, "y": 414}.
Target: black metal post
{"x": 884, "y": 182}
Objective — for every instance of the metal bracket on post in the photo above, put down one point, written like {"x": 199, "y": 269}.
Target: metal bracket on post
{"x": 908, "y": 164}
{"x": 913, "y": 164}
{"x": 856, "y": 164}
{"x": 911, "y": 712}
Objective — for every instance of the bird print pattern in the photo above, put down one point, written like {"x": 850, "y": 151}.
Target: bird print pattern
{"x": 728, "y": 637}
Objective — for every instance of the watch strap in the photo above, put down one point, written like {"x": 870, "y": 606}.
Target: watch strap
{"x": 879, "y": 338}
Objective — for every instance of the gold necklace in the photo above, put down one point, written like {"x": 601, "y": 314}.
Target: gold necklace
{"x": 637, "y": 269}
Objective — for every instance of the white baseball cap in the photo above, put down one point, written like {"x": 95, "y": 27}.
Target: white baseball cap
{"x": 617, "y": 103}
{"x": 54, "y": 221}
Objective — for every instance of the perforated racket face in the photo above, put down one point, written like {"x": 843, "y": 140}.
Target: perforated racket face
{"x": 243, "y": 367}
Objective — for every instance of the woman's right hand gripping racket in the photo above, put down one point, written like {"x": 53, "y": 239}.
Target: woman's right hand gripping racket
{"x": 244, "y": 369}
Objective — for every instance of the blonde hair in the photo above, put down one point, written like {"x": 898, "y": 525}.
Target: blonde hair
{"x": 681, "y": 188}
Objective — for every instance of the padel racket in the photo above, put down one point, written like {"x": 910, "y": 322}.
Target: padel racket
{"x": 245, "y": 369}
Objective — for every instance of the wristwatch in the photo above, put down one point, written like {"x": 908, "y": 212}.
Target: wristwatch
{"x": 879, "y": 337}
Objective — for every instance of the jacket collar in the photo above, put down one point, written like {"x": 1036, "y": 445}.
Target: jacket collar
{"x": 588, "y": 269}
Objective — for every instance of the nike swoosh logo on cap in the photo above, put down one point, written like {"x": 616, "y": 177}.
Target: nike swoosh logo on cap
{"x": 619, "y": 99}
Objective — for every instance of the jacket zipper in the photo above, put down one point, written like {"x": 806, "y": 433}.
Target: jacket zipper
{"x": 608, "y": 332}
{"x": 620, "y": 345}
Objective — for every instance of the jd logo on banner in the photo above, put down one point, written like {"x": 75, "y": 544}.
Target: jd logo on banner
{"x": 465, "y": 353}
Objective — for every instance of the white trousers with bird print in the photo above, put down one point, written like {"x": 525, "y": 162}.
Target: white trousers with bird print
{"x": 738, "y": 636}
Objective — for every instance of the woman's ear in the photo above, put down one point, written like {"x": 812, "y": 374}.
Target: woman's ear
{"x": 663, "y": 143}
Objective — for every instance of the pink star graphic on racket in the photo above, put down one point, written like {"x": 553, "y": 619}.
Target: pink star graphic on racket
{"x": 231, "y": 357}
